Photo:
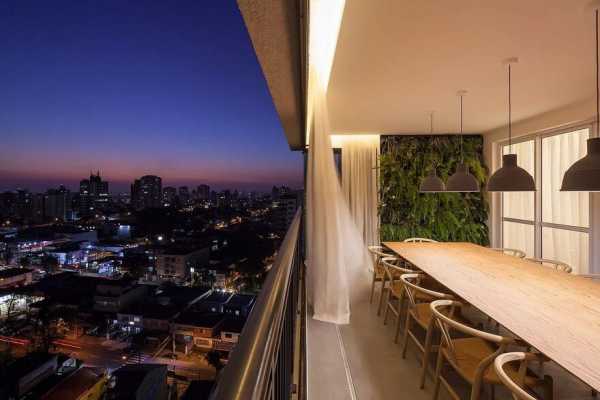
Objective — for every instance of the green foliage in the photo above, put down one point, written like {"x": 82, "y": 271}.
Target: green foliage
{"x": 448, "y": 217}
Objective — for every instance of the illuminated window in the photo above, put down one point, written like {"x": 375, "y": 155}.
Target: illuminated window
{"x": 549, "y": 223}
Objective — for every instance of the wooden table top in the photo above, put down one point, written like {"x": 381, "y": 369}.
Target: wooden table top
{"x": 557, "y": 313}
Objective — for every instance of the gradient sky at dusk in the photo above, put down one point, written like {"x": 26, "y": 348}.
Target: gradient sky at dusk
{"x": 170, "y": 88}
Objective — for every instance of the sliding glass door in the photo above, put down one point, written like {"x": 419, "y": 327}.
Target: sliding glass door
{"x": 549, "y": 223}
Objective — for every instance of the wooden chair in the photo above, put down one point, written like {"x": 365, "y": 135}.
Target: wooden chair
{"x": 377, "y": 253}
{"x": 395, "y": 293}
{"x": 471, "y": 357}
{"x": 557, "y": 265}
{"x": 510, "y": 252}
{"x": 508, "y": 379}
{"x": 419, "y": 311}
{"x": 419, "y": 240}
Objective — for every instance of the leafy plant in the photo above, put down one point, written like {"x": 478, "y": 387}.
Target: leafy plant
{"x": 448, "y": 217}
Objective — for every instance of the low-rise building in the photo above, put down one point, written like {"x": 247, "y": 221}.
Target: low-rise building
{"x": 116, "y": 295}
{"x": 239, "y": 305}
{"x": 197, "y": 329}
{"x": 139, "y": 382}
{"x": 23, "y": 374}
{"x": 179, "y": 263}
{"x": 214, "y": 302}
{"x": 147, "y": 317}
{"x": 12, "y": 277}
{"x": 231, "y": 330}
{"x": 87, "y": 383}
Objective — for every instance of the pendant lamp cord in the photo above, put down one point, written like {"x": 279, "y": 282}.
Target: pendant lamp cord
{"x": 461, "y": 130}
{"x": 597, "y": 82}
{"x": 509, "y": 114}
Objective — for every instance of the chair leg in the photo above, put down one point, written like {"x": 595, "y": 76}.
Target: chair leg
{"x": 405, "y": 337}
{"x": 426, "y": 351}
{"x": 438, "y": 371}
{"x": 381, "y": 297}
{"x": 398, "y": 324}
{"x": 372, "y": 289}
{"x": 476, "y": 389}
{"x": 548, "y": 388}
{"x": 388, "y": 304}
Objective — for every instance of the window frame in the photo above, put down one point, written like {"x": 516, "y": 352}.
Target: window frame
{"x": 538, "y": 223}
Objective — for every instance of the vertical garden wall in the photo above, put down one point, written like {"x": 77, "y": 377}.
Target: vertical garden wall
{"x": 404, "y": 212}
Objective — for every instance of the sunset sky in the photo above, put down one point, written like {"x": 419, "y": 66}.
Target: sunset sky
{"x": 133, "y": 88}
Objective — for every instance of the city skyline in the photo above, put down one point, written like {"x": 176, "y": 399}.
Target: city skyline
{"x": 136, "y": 91}
{"x": 119, "y": 187}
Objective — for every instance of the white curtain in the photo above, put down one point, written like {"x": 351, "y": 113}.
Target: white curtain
{"x": 570, "y": 209}
{"x": 336, "y": 254}
{"x": 360, "y": 181}
{"x": 559, "y": 152}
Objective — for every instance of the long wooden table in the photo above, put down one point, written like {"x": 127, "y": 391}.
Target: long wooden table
{"x": 557, "y": 313}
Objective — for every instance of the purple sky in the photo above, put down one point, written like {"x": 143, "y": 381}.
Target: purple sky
{"x": 133, "y": 88}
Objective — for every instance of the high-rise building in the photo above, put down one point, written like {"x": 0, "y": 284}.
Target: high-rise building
{"x": 169, "y": 195}
{"x": 184, "y": 195}
{"x": 93, "y": 194}
{"x": 57, "y": 203}
{"x": 203, "y": 192}
{"x": 146, "y": 192}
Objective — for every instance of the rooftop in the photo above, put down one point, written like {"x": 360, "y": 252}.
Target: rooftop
{"x": 241, "y": 300}
{"x": 218, "y": 297}
{"x": 200, "y": 319}
{"x": 129, "y": 377}
{"x": 11, "y": 272}
{"x": 76, "y": 384}
{"x": 234, "y": 325}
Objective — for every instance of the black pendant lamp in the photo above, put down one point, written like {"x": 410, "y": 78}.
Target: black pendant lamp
{"x": 462, "y": 180}
{"x": 510, "y": 177}
{"x": 584, "y": 175}
{"x": 432, "y": 183}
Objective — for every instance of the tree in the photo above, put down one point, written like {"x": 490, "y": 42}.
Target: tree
{"x": 136, "y": 265}
{"x": 25, "y": 262}
{"x": 213, "y": 358}
{"x": 50, "y": 263}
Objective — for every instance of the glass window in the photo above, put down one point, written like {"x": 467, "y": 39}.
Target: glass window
{"x": 521, "y": 205}
{"x": 559, "y": 152}
{"x": 519, "y": 236}
{"x": 559, "y": 230}
{"x": 571, "y": 247}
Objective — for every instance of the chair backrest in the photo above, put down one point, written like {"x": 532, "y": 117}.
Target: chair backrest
{"x": 501, "y": 360}
{"x": 557, "y": 265}
{"x": 378, "y": 252}
{"x": 393, "y": 267}
{"x": 510, "y": 252}
{"x": 419, "y": 240}
{"x": 446, "y": 322}
{"x": 412, "y": 285}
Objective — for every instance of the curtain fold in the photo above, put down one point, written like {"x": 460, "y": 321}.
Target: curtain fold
{"x": 337, "y": 257}
{"x": 360, "y": 182}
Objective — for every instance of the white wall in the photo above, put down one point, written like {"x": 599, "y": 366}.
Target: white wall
{"x": 571, "y": 115}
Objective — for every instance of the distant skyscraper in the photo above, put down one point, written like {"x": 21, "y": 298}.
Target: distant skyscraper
{"x": 146, "y": 192}
{"x": 169, "y": 195}
{"x": 93, "y": 193}
{"x": 184, "y": 194}
{"x": 57, "y": 203}
{"x": 203, "y": 192}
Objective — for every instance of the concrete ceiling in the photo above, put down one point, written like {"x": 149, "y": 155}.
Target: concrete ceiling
{"x": 398, "y": 59}
{"x": 275, "y": 29}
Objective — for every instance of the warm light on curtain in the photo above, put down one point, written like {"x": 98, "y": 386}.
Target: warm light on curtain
{"x": 562, "y": 223}
{"x": 335, "y": 252}
{"x": 359, "y": 181}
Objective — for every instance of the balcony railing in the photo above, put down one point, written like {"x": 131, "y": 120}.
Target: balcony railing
{"x": 269, "y": 360}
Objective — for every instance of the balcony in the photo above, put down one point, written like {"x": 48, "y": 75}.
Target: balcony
{"x": 379, "y": 80}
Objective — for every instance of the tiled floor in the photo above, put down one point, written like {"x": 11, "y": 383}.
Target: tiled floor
{"x": 360, "y": 361}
